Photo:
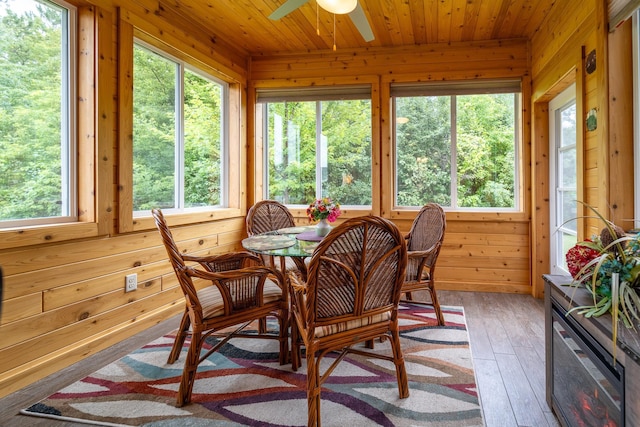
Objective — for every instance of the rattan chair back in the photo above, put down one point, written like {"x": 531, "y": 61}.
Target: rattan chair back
{"x": 424, "y": 242}
{"x": 357, "y": 270}
{"x": 268, "y": 215}
{"x": 350, "y": 297}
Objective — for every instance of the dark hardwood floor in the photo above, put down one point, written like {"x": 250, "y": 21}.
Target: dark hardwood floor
{"x": 507, "y": 344}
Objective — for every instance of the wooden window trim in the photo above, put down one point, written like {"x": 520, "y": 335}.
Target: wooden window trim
{"x": 130, "y": 27}
{"x": 388, "y": 158}
{"x": 95, "y": 125}
{"x": 255, "y": 171}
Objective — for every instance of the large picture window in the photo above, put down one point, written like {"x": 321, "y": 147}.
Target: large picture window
{"x": 179, "y": 135}
{"x": 456, "y": 145}
{"x": 37, "y": 138}
{"x": 318, "y": 148}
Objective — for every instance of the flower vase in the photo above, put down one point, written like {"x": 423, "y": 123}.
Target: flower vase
{"x": 323, "y": 228}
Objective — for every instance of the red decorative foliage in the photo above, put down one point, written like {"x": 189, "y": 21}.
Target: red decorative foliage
{"x": 579, "y": 256}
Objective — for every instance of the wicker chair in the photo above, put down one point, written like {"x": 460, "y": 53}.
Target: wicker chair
{"x": 266, "y": 216}
{"x": 351, "y": 295}
{"x": 239, "y": 290}
{"x": 423, "y": 247}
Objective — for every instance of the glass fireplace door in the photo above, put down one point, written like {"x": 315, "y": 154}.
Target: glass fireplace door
{"x": 587, "y": 390}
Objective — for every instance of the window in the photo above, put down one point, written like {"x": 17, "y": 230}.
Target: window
{"x": 563, "y": 177}
{"x": 456, "y": 144}
{"x": 319, "y": 145}
{"x": 37, "y": 138}
{"x": 635, "y": 43}
{"x": 179, "y": 135}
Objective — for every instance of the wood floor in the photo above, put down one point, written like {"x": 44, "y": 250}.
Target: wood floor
{"x": 507, "y": 344}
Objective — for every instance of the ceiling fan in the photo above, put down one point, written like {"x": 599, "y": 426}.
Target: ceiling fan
{"x": 351, "y": 7}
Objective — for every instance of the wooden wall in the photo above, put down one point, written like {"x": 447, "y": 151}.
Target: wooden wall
{"x": 481, "y": 251}
{"x": 604, "y": 155}
{"x": 64, "y": 297}
{"x": 64, "y": 293}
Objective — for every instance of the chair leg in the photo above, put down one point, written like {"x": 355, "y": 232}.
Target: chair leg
{"x": 183, "y": 331}
{"x": 398, "y": 360}
{"x": 295, "y": 347}
{"x": 436, "y": 306}
{"x": 313, "y": 390}
{"x": 262, "y": 325}
{"x": 284, "y": 337}
{"x": 190, "y": 369}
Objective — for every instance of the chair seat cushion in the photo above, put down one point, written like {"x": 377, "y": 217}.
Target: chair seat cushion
{"x": 323, "y": 331}
{"x": 213, "y": 304}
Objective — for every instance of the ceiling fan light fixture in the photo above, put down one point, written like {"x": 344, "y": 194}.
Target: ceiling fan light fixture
{"x": 339, "y": 7}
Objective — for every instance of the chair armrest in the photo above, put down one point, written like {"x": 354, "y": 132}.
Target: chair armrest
{"x": 417, "y": 261}
{"x": 421, "y": 254}
{"x": 226, "y": 261}
{"x": 298, "y": 292}
{"x": 226, "y": 280}
{"x": 236, "y": 274}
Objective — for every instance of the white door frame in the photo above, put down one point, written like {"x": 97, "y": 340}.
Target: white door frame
{"x": 565, "y": 98}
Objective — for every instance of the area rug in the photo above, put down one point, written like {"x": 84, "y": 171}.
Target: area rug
{"x": 243, "y": 384}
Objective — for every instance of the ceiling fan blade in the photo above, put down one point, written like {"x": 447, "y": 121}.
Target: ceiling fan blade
{"x": 362, "y": 24}
{"x": 286, "y": 8}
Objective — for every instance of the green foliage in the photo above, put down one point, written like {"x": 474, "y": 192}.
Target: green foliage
{"x": 345, "y": 149}
{"x": 485, "y": 150}
{"x": 31, "y": 155}
{"x": 154, "y": 130}
{"x": 423, "y": 147}
{"x": 347, "y": 127}
{"x": 154, "y": 146}
{"x": 292, "y": 152}
{"x": 203, "y": 141}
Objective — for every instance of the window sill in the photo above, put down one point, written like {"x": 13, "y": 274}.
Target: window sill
{"x": 147, "y": 223}
{"x": 504, "y": 216}
{"x": 36, "y": 235}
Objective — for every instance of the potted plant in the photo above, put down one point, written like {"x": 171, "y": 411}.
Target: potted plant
{"x": 608, "y": 267}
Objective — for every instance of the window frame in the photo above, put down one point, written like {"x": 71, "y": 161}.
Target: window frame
{"x": 260, "y": 89}
{"x": 557, "y": 105}
{"x": 94, "y": 146}
{"x": 320, "y": 154}
{"x": 68, "y": 131}
{"x": 454, "y": 89}
{"x": 635, "y": 43}
{"x": 179, "y": 138}
{"x": 133, "y": 26}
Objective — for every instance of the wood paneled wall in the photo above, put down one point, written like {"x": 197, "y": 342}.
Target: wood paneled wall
{"x": 605, "y": 165}
{"x": 481, "y": 251}
{"x": 64, "y": 297}
{"x": 64, "y": 293}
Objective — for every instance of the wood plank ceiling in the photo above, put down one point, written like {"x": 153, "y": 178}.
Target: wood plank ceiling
{"x": 244, "y": 25}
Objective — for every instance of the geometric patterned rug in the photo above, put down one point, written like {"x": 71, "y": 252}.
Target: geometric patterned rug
{"x": 243, "y": 384}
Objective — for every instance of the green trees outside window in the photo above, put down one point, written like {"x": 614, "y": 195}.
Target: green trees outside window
{"x": 456, "y": 150}
{"x": 36, "y": 168}
{"x": 178, "y": 135}
{"x": 319, "y": 149}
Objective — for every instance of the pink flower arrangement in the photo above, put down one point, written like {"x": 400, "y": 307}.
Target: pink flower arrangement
{"x": 324, "y": 208}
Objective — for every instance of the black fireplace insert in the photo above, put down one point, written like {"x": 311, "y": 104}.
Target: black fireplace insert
{"x": 587, "y": 387}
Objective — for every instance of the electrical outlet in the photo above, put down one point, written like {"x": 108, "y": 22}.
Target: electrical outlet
{"x": 131, "y": 282}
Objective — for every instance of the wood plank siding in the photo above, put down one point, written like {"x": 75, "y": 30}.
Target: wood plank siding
{"x": 64, "y": 285}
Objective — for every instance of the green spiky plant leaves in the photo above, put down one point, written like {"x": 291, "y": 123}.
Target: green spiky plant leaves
{"x": 609, "y": 269}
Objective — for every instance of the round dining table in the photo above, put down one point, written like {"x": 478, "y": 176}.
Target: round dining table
{"x": 297, "y": 243}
